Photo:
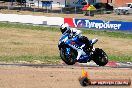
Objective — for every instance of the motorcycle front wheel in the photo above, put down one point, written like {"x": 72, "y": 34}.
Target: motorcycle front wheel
{"x": 70, "y": 60}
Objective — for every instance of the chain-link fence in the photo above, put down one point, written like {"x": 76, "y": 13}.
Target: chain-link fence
{"x": 47, "y": 7}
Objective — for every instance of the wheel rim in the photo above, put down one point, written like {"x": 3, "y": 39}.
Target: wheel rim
{"x": 103, "y": 57}
{"x": 70, "y": 59}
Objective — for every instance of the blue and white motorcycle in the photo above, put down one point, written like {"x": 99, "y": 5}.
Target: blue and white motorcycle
{"x": 68, "y": 53}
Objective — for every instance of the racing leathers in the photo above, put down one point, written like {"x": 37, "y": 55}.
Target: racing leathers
{"x": 74, "y": 33}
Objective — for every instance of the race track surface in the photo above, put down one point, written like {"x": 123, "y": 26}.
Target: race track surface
{"x": 57, "y": 76}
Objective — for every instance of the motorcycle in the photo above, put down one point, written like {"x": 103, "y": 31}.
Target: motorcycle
{"x": 68, "y": 53}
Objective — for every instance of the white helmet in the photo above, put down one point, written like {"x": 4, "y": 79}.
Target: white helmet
{"x": 64, "y": 27}
{"x": 75, "y": 32}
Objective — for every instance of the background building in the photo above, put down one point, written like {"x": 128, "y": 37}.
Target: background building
{"x": 63, "y": 3}
{"x": 117, "y": 3}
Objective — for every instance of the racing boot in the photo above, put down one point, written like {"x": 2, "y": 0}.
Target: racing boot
{"x": 93, "y": 41}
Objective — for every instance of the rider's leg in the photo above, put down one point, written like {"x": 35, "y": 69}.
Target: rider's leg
{"x": 94, "y": 40}
{"x": 86, "y": 42}
{"x": 80, "y": 52}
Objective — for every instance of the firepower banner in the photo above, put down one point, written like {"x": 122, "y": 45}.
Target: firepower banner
{"x": 99, "y": 24}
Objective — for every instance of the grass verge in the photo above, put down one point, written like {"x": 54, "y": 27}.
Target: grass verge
{"x": 56, "y": 59}
{"x": 31, "y": 59}
{"x": 116, "y": 34}
{"x": 52, "y": 59}
{"x": 124, "y": 58}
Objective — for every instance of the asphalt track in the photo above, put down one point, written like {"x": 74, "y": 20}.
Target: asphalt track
{"x": 14, "y": 75}
{"x": 90, "y": 64}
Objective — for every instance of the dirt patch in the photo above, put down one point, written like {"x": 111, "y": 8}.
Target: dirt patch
{"x": 115, "y": 46}
{"x": 28, "y": 77}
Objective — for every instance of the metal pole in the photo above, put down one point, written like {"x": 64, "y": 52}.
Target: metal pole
{"x": 75, "y": 9}
{"x": 8, "y": 5}
{"x": 65, "y": 3}
{"x": 47, "y": 7}
{"x": 21, "y": 4}
{"x": 61, "y": 8}
{"x": 38, "y": 3}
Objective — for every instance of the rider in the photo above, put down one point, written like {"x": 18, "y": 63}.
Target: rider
{"x": 65, "y": 28}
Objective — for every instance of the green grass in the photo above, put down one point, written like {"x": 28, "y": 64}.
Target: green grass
{"x": 120, "y": 58}
{"x": 30, "y": 59}
{"x": 27, "y": 26}
{"x": 116, "y": 34}
{"x": 53, "y": 59}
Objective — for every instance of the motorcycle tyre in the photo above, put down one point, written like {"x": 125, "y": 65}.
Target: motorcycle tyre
{"x": 68, "y": 61}
{"x": 100, "y": 57}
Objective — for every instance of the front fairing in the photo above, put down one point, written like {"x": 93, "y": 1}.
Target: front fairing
{"x": 64, "y": 38}
{"x": 77, "y": 41}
